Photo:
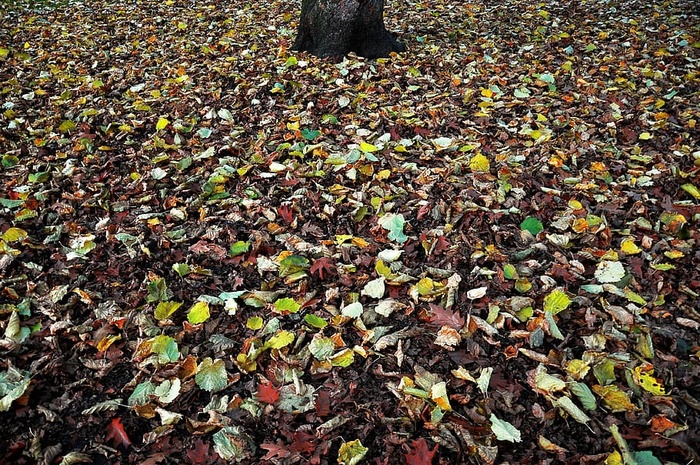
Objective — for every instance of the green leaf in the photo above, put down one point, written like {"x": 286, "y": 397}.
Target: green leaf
{"x": 291, "y": 61}
{"x": 157, "y": 291}
{"x": 254, "y": 323}
{"x": 199, "y": 313}
{"x": 13, "y": 384}
{"x": 182, "y": 269}
{"x": 394, "y": 224}
{"x": 503, "y": 430}
{"x": 532, "y": 224}
{"x": 692, "y": 190}
{"x": 8, "y": 161}
{"x": 310, "y": 134}
{"x": 556, "y": 301}
{"x": 645, "y": 457}
{"x": 321, "y": 347}
{"x": 227, "y": 448}
{"x": 239, "y": 248}
{"x": 9, "y": 203}
{"x": 584, "y": 394}
{"x": 142, "y": 393}
{"x": 286, "y": 305}
{"x": 509, "y": 272}
{"x": 165, "y": 309}
{"x": 204, "y": 133}
{"x": 166, "y": 349}
{"x": 315, "y": 321}
{"x": 211, "y": 375}
{"x": 66, "y": 126}
{"x": 350, "y": 453}
{"x": 38, "y": 177}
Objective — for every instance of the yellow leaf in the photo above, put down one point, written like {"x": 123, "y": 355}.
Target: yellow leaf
{"x": 342, "y": 238}
{"x": 162, "y": 123}
{"x": 488, "y": 93}
{"x": 383, "y": 174}
{"x": 645, "y": 379}
{"x": 673, "y": 254}
{"x": 479, "y": 163}
{"x": 14, "y": 235}
{"x": 368, "y": 148}
{"x": 645, "y": 136}
{"x": 629, "y": 247}
{"x": 614, "y": 459}
{"x": 107, "y": 341}
{"x": 438, "y": 393}
{"x": 359, "y": 242}
{"x": 616, "y": 399}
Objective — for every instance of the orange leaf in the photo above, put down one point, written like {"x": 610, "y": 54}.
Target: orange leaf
{"x": 267, "y": 393}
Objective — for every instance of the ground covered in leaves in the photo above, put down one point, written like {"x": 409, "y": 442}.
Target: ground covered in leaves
{"x": 215, "y": 249}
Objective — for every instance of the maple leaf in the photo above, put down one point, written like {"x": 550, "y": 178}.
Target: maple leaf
{"x": 420, "y": 454}
{"x": 442, "y": 317}
{"x": 303, "y": 442}
{"x": 199, "y": 455}
{"x": 116, "y": 433}
{"x": 268, "y": 393}
{"x": 286, "y": 213}
{"x": 278, "y": 450}
{"x": 323, "y": 265}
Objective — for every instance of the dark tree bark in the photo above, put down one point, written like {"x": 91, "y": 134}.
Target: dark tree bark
{"x": 333, "y": 28}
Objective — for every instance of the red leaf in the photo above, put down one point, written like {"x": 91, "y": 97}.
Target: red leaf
{"x": 323, "y": 264}
{"x": 278, "y": 450}
{"x": 267, "y": 393}
{"x": 322, "y": 403}
{"x": 442, "y": 245}
{"x": 199, "y": 455}
{"x": 116, "y": 433}
{"x": 303, "y": 442}
{"x": 286, "y": 213}
{"x": 442, "y": 317}
{"x": 420, "y": 454}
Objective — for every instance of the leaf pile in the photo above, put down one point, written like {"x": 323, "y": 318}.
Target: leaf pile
{"x": 214, "y": 249}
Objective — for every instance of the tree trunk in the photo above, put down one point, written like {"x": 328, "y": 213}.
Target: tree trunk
{"x": 333, "y": 28}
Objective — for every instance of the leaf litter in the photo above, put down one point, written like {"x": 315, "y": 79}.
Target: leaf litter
{"x": 443, "y": 256}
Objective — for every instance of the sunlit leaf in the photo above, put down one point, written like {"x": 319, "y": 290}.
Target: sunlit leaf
{"x": 280, "y": 339}
{"x": 614, "y": 398}
{"x": 394, "y": 224}
{"x": 211, "y": 375}
{"x": 609, "y": 271}
{"x": 199, "y": 313}
{"x": 162, "y": 123}
{"x": 503, "y": 430}
{"x": 353, "y": 310}
{"x": 479, "y": 163}
{"x": 532, "y": 224}
{"x": 352, "y": 452}
{"x": 556, "y": 301}
{"x": 165, "y": 309}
